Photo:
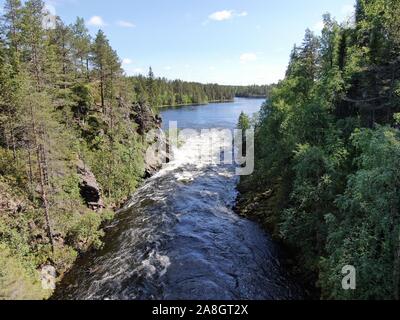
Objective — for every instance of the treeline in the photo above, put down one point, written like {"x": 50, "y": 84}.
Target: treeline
{"x": 160, "y": 92}
{"x": 254, "y": 91}
{"x": 65, "y": 107}
{"x": 327, "y": 177}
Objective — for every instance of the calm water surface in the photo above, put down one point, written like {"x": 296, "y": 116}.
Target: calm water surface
{"x": 215, "y": 115}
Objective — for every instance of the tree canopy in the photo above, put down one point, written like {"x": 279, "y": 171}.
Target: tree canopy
{"x": 327, "y": 145}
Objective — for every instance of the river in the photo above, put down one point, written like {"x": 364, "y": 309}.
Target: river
{"x": 178, "y": 237}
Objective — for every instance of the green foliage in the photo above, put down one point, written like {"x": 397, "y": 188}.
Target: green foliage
{"x": 63, "y": 99}
{"x": 368, "y": 221}
{"x": 329, "y": 169}
{"x": 160, "y": 92}
{"x": 397, "y": 118}
{"x": 17, "y": 283}
{"x": 244, "y": 122}
{"x": 86, "y": 231}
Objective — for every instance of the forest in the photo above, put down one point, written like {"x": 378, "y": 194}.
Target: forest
{"x": 327, "y": 180}
{"x": 161, "y": 92}
{"x": 254, "y": 91}
{"x": 326, "y": 183}
{"x": 72, "y": 140}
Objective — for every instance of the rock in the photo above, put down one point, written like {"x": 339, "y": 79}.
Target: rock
{"x": 10, "y": 203}
{"x": 145, "y": 118}
{"x": 159, "y": 152}
{"x": 48, "y": 276}
{"x": 157, "y": 155}
{"x": 89, "y": 187}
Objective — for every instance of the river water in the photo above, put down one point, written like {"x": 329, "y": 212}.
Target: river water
{"x": 178, "y": 237}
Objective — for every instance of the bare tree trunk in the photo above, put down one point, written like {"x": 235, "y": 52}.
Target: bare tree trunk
{"x": 87, "y": 70}
{"x": 32, "y": 190}
{"x": 6, "y": 137}
{"x": 36, "y": 68}
{"x": 45, "y": 166}
{"x": 14, "y": 147}
{"x": 102, "y": 90}
{"x": 111, "y": 162}
{"x": 42, "y": 170}
{"x": 392, "y": 85}
{"x": 41, "y": 160}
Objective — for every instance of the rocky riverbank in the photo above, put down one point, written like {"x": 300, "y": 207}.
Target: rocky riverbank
{"x": 77, "y": 221}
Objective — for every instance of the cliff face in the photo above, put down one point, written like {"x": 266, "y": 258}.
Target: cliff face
{"x": 149, "y": 127}
{"x": 83, "y": 189}
{"x": 89, "y": 188}
{"x": 145, "y": 118}
{"x": 157, "y": 155}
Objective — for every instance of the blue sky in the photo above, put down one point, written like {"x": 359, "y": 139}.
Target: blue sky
{"x": 222, "y": 41}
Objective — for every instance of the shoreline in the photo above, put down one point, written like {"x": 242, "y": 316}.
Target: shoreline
{"x": 194, "y": 104}
{"x": 209, "y": 102}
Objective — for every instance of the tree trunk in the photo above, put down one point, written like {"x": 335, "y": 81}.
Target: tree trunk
{"x": 87, "y": 70}
{"x": 14, "y": 144}
{"x": 32, "y": 189}
{"x": 42, "y": 169}
{"x": 102, "y": 90}
{"x": 41, "y": 160}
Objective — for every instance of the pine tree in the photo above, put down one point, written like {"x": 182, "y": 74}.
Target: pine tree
{"x": 101, "y": 56}
{"x": 151, "y": 87}
{"x": 12, "y": 25}
{"x": 81, "y": 44}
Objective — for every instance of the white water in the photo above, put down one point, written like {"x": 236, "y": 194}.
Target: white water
{"x": 178, "y": 238}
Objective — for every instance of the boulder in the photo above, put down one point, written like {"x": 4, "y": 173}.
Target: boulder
{"x": 145, "y": 118}
{"x": 10, "y": 203}
{"x": 89, "y": 187}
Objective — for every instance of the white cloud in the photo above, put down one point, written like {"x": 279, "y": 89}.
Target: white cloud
{"x": 50, "y": 8}
{"x": 168, "y": 68}
{"x": 96, "y": 21}
{"x": 348, "y": 10}
{"x": 248, "y": 57}
{"x": 130, "y": 70}
{"x": 318, "y": 27}
{"x": 127, "y": 61}
{"x": 221, "y": 15}
{"x": 226, "y": 15}
{"x": 260, "y": 74}
{"x": 126, "y": 24}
